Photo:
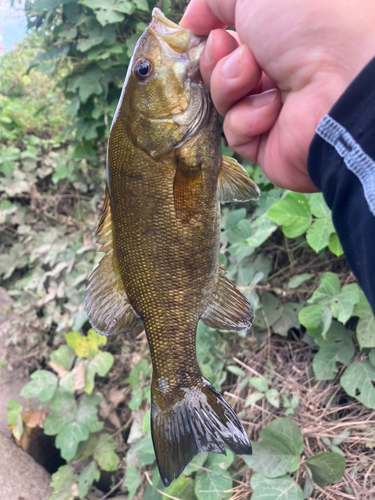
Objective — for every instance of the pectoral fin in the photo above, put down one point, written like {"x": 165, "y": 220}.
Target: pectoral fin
{"x": 234, "y": 184}
{"x": 229, "y": 309}
{"x": 107, "y": 304}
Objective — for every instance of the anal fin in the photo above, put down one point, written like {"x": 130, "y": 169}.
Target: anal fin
{"x": 229, "y": 309}
{"x": 107, "y": 303}
{"x": 234, "y": 184}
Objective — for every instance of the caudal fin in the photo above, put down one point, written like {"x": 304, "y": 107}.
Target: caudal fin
{"x": 200, "y": 420}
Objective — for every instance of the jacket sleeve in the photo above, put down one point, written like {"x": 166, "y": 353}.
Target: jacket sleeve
{"x": 341, "y": 164}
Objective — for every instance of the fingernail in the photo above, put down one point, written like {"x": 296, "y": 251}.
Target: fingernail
{"x": 231, "y": 67}
{"x": 263, "y": 99}
{"x": 208, "y": 49}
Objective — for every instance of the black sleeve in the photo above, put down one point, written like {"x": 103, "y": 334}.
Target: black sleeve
{"x": 341, "y": 164}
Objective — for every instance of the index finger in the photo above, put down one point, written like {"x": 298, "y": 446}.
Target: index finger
{"x": 202, "y": 16}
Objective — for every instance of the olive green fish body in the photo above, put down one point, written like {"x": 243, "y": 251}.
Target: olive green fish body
{"x": 160, "y": 230}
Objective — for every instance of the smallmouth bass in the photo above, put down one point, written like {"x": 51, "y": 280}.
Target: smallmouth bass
{"x": 160, "y": 230}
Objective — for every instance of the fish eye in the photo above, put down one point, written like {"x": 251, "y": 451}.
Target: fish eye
{"x": 142, "y": 69}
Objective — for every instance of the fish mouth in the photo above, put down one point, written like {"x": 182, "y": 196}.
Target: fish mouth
{"x": 179, "y": 39}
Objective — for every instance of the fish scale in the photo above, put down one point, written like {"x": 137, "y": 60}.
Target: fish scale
{"x": 160, "y": 229}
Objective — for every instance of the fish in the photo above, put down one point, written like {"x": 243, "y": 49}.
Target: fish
{"x": 160, "y": 231}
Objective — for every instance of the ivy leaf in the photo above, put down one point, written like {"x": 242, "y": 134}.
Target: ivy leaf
{"x": 88, "y": 413}
{"x": 104, "y": 453}
{"x": 85, "y": 346}
{"x": 297, "y": 280}
{"x": 107, "y": 15}
{"x": 209, "y": 486}
{"x": 14, "y": 410}
{"x": 343, "y": 304}
{"x": 326, "y": 468}
{"x": 289, "y": 318}
{"x": 69, "y": 438}
{"x": 336, "y": 347}
{"x": 318, "y": 234}
{"x": 328, "y": 289}
{"x": 132, "y": 480}
{"x": 42, "y": 385}
{"x": 316, "y": 319}
{"x": 293, "y": 212}
{"x": 99, "y": 364}
{"x": 334, "y": 245}
{"x": 64, "y": 409}
{"x": 63, "y": 356}
{"x": 85, "y": 480}
{"x": 62, "y": 482}
{"x": 183, "y": 487}
{"x": 282, "y": 488}
{"x": 318, "y": 206}
{"x": 279, "y": 450}
{"x": 357, "y": 381}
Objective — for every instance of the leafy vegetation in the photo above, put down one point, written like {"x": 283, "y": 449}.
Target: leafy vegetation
{"x": 311, "y": 350}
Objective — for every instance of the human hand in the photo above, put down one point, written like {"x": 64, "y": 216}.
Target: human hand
{"x": 295, "y": 60}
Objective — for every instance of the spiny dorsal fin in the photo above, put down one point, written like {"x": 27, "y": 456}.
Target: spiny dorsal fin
{"x": 234, "y": 184}
{"x": 229, "y": 309}
{"x": 107, "y": 304}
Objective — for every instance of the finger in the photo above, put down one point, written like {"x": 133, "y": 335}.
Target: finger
{"x": 200, "y": 19}
{"x": 253, "y": 116}
{"x": 234, "y": 77}
{"x": 219, "y": 44}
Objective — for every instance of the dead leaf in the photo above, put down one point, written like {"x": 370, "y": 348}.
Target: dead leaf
{"x": 75, "y": 489}
{"x": 79, "y": 376}
{"x": 35, "y": 419}
{"x": 61, "y": 372}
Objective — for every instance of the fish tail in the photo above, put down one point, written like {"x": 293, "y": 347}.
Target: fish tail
{"x": 198, "y": 419}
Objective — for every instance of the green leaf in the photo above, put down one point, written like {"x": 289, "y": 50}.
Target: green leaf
{"x": 197, "y": 462}
{"x": 236, "y": 370}
{"x": 318, "y": 206}
{"x": 297, "y": 280}
{"x": 282, "y": 488}
{"x": 136, "y": 400}
{"x": 99, "y": 364}
{"x": 326, "y": 468}
{"x": 272, "y": 309}
{"x": 62, "y": 482}
{"x": 14, "y": 410}
{"x": 261, "y": 229}
{"x": 211, "y": 486}
{"x": 316, "y": 319}
{"x": 357, "y": 381}
{"x": 64, "y": 409}
{"x": 372, "y": 357}
{"x": 42, "y": 385}
{"x": 85, "y": 346}
{"x": 337, "y": 347}
{"x": 88, "y": 413}
{"x": 85, "y": 480}
{"x": 253, "y": 398}
{"x": 105, "y": 454}
{"x": 132, "y": 480}
{"x": 318, "y": 234}
{"x": 234, "y": 217}
{"x": 293, "y": 212}
{"x": 107, "y": 15}
{"x": 69, "y": 438}
{"x": 279, "y": 450}
{"x": 289, "y": 318}
{"x": 328, "y": 289}
{"x": 334, "y": 245}
{"x": 342, "y": 307}
{"x": 366, "y": 332}
{"x": 261, "y": 384}
{"x": 63, "y": 356}
{"x": 182, "y": 487}
{"x": 273, "y": 397}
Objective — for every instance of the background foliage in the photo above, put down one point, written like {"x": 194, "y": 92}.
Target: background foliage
{"x": 58, "y": 94}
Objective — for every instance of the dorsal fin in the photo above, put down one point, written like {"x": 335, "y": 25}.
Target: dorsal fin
{"x": 229, "y": 309}
{"x": 107, "y": 303}
{"x": 234, "y": 184}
